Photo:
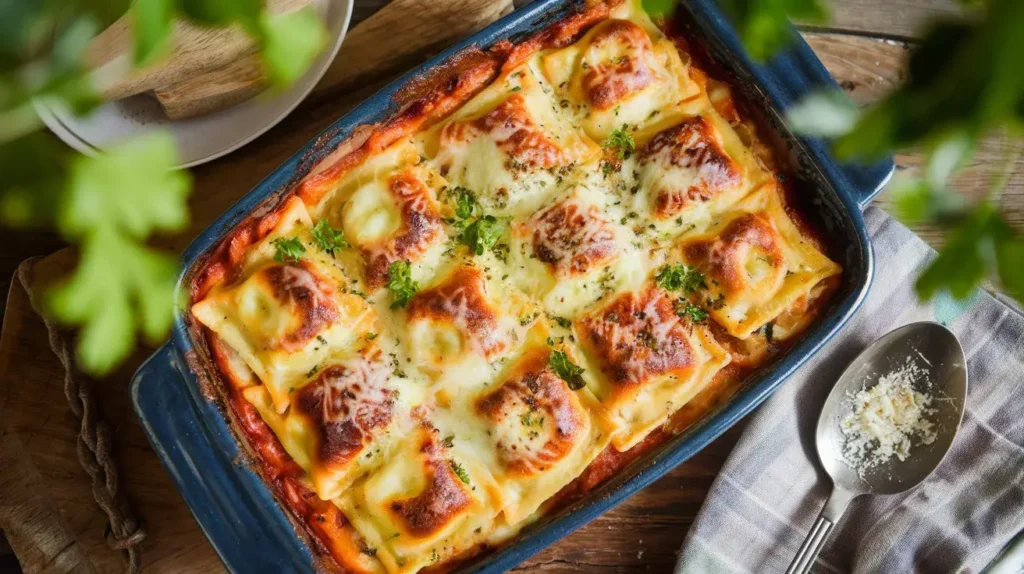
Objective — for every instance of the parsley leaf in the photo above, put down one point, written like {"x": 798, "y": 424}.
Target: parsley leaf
{"x": 621, "y": 142}
{"x": 566, "y": 370}
{"x": 289, "y": 250}
{"x": 684, "y": 308}
{"x": 763, "y": 25}
{"x": 401, "y": 284}
{"x": 563, "y": 322}
{"x": 328, "y": 238}
{"x": 680, "y": 278}
{"x": 465, "y": 203}
{"x": 458, "y": 470}
{"x": 482, "y": 234}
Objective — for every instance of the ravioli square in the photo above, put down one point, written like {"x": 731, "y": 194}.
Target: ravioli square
{"x": 427, "y": 503}
{"x": 623, "y": 71}
{"x": 757, "y": 263}
{"x": 463, "y": 325}
{"x": 649, "y": 361}
{"x": 509, "y": 145}
{"x": 538, "y": 433}
{"x": 389, "y": 211}
{"x": 572, "y": 251}
{"x": 694, "y": 170}
{"x": 285, "y": 317}
{"x": 340, "y": 423}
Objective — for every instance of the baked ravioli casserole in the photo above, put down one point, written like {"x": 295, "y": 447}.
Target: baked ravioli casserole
{"x": 557, "y": 254}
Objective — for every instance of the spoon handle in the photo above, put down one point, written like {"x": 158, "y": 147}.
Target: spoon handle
{"x": 834, "y": 508}
{"x": 812, "y": 545}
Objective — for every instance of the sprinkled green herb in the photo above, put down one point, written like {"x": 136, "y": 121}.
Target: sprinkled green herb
{"x": 401, "y": 284}
{"x": 371, "y": 336}
{"x": 328, "y": 238}
{"x": 566, "y": 370}
{"x": 680, "y": 278}
{"x": 684, "y": 308}
{"x": 465, "y": 202}
{"x": 459, "y": 471}
{"x": 621, "y": 142}
{"x": 288, "y": 250}
{"x": 563, "y": 322}
{"x": 482, "y": 234}
{"x": 449, "y": 441}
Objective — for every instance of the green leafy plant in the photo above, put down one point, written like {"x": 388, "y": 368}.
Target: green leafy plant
{"x": 621, "y": 142}
{"x": 566, "y": 370}
{"x": 288, "y": 249}
{"x": 482, "y": 234}
{"x": 111, "y": 204}
{"x": 327, "y": 238}
{"x": 963, "y": 83}
{"x": 680, "y": 278}
{"x": 401, "y": 283}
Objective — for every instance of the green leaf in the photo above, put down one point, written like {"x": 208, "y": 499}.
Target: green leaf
{"x": 1010, "y": 263}
{"x": 290, "y": 44}
{"x": 465, "y": 203}
{"x": 459, "y": 471}
{"x": 133, "y": 187}
{"x": 680, "y": 278}
{"x": 566, "y": 370}
{"x": 962, "y": 263}
{"x": 327, "y": 238}
{"x": 401, "y": 283}
{"x": 686, "y": 309}
{"x": 823, "y": 114}
{"x": 621, "y": 142}
{"x": 118, "y": 285}
{"x": 482, "y": 234}
{"x": 764, "y": 26}
{"x": 152, "y": 25}
{"x": 659, "y": 8}
{"x": 223, "y": 12}
{"x": 288, "y": 249}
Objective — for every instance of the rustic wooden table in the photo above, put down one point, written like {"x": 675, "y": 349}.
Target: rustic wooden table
{"x": 865, "y": 48}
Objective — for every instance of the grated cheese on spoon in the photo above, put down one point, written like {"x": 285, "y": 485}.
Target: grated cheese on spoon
{"x": 888, "y": 418}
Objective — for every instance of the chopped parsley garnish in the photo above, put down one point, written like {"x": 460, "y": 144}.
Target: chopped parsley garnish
{"x": 465, "y": 202}
{"x": 328, "y": 238}
{"x": 680, "y": 278}
{"x": 482, "y": 234}
{"x": 563, "y": 322}
{"x": 449, "y": 441}
{"x": 459, "y": 471}
{"x": 369, "y": 551}
{"x": 566, "y": 370}
{"x": 288, "y": 250}
{"x": 401, "y": 284}
{"x": 371, "y": 336}
{"x": 684, "y": 308}
{"x": 621, "y": 142}
{"x": 516, "y": 88}
{"x": 312, "y": 371}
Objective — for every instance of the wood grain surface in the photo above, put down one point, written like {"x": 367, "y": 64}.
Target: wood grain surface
{"x": 865, "y": 48}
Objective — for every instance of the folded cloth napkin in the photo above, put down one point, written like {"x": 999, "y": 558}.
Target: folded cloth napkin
{"x": 770, "y": 490}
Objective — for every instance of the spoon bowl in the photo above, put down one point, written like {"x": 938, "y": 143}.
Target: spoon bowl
{"x": 943, "y": 375}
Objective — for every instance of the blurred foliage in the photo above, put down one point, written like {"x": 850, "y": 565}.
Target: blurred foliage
{"x": 110, "y": 205}
{"x": 964, "y": 82}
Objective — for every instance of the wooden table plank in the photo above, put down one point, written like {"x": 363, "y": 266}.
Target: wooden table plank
{"x": 900, "y": 19}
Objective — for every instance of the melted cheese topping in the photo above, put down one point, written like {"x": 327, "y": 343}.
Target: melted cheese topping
{"x": 445, "y": 425}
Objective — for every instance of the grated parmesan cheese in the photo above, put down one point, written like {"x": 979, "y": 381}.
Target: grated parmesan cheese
{"x": 888, "y": 419}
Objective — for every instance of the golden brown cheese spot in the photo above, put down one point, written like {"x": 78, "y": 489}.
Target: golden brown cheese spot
{"x": 690, "y": 165}
{"x": 420, "y": 228}
{"x": 308, "y": 299}
{"x": 746, "y": 256}
{"x": 444, "y": 497}
{"x": 535, "y": 418}
{"x": 514, "y": 131}
{"x": 461, "y": 300}
{"x": 572, "y": 238}
{"x": 348, "y": 404}
{"x": 639, "y": 338}
{"x": 617, "y": 64}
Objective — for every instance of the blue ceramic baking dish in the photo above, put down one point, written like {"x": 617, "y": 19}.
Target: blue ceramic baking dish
{"x": 246, "y": 525}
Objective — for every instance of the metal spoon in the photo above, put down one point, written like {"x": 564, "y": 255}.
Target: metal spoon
{"x": 936, "y": 350}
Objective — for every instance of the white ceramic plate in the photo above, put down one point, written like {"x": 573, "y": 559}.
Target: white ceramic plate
{"x": 206, "y": 137}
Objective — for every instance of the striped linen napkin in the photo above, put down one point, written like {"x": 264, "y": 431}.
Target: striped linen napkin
{"x": 770, "y": 490}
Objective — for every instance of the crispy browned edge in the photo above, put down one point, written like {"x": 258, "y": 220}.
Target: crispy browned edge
{"x": 425, "y": 100}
